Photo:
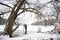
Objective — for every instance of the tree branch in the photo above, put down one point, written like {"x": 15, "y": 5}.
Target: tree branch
{"x": 30, "y": 10}
{"x": 16, "y": 28}
{"x": 20, "y": 13}
{"x": 34, "y": 12}
{"x": 2, "y": 13}
{"x": 6, "y": 5}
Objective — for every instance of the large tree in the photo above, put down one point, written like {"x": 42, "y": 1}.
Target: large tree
{"x": 20, "y": 7}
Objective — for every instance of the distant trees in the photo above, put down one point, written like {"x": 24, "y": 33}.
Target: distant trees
{"x": 57, "y": 10}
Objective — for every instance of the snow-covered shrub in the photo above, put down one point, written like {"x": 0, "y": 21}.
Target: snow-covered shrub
{"x": 39, "y": 29}
{"x": 57, "y": 28}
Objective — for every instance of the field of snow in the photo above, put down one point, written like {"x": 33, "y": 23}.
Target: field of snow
{"x": 33, "y": 36}
{"x": 32, "y": 28}
{"x": 31, "y": 33}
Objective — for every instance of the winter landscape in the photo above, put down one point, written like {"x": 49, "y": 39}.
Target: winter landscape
{"x": 29, "y": 19}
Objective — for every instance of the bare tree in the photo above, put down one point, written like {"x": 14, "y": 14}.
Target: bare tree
{"x": 20, "y": 5}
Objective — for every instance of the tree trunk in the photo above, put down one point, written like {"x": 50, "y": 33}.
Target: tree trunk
{"x": 9, "y": 26}
{"x": 8, "y": 29}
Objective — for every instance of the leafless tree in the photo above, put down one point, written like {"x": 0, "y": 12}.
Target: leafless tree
{"x": 23, "y": 5}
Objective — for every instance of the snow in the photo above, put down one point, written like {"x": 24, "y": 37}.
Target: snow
{"x": 2, "y": 27}
{"x": 32, "y": 36}
{"x": 32, "y": 33}
{"x": 31, "y": 28}
{"x": 35, "y": 28}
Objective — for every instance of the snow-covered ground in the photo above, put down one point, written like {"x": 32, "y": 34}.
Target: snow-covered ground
{"x": 32, "y": 33}
{"x": 32, "y": 28}
{"x": 33, "y": 36}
